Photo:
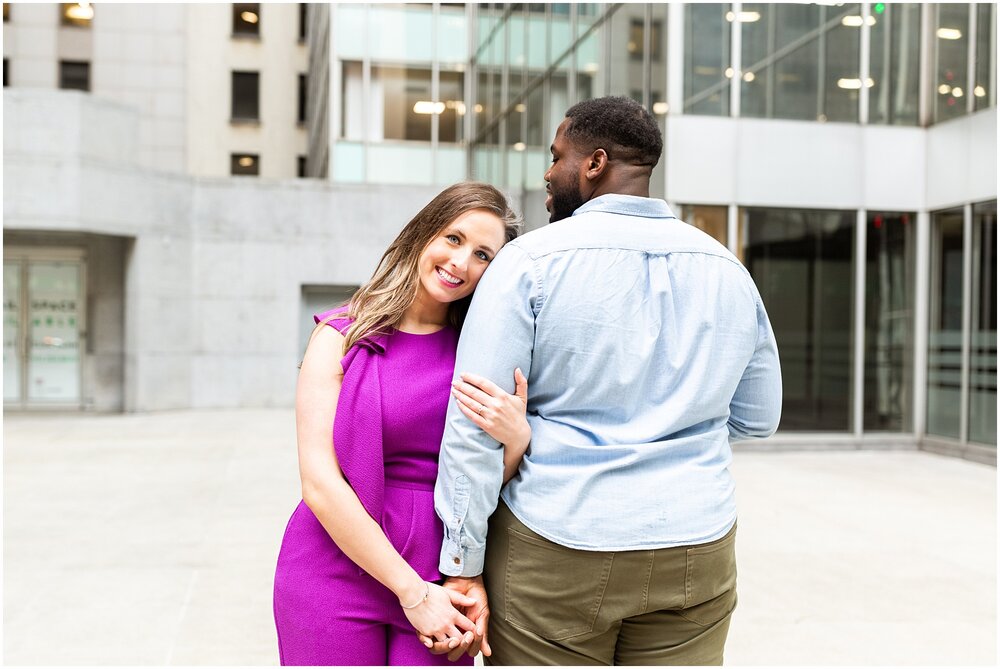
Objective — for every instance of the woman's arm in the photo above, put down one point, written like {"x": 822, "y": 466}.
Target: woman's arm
{"x": 498, "y": 413}
{"x": 337, "y": 507}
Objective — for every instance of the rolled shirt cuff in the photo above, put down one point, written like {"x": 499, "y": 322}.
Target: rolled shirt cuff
{"x": 456, "y": 561}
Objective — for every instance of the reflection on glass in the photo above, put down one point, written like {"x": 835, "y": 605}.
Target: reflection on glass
{"x": 707, "y": 66}
{"x": 352, "y": 110}
{"x": 658, "y": 95}
{"x": 895, "y": 64}
{"x": 952, "y": 60}
{"x": 400, "y": 33}
{"x": 588, "y": 68}
{"x": 840, "y": 40}
{"x": 944, "y": 347}
{"x": 983, "y": 373}
{"x": 11, "y": 331}
{"x": 402, "y": 105}
{"x": 780, "y": 61}
{"x": 800, "y": 61}
{"x": 986, "y": 56}
{"x": 534, "y": 111}
{"x": 451, "y": 91}
{"x": 801, "y": 262}
{"x": 625, "y": 77}
{"x": 53, "y": 318}
{"x": 711, "y": 219}
{"x": 889, "y": 322}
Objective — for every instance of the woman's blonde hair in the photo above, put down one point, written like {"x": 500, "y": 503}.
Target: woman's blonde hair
{"x": 379, "y": 305}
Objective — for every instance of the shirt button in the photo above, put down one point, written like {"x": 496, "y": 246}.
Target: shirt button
{"x": 458, "y": 560}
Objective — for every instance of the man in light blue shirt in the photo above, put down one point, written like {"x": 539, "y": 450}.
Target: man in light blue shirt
{"x": 647, "y": 351}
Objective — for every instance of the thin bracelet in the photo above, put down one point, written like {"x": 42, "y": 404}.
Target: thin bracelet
{"x": 427, "y": 593}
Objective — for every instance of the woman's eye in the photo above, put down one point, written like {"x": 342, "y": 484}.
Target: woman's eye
{"x": 482, "y": 256}
{"x": 453, "y": 238}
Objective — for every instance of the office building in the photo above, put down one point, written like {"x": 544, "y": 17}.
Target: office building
{"x": 845, "y": 152}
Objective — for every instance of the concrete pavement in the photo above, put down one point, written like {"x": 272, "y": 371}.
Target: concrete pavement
{"x": 151, "y": 539}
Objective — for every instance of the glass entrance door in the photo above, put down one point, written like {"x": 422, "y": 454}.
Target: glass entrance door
{"x": 42, "y": 328}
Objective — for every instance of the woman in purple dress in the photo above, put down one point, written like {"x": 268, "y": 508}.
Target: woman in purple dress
{"x": 357, "y": 572}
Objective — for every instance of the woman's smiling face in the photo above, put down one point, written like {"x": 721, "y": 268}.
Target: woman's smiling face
{"x": 453, "y": 262}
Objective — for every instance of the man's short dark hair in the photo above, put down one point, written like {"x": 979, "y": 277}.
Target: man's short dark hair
{"x": 621, "y": 126}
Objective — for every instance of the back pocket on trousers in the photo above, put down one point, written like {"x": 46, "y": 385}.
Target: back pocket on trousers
{"x": 553, "y": 591}
{"x": 711, "y": 572}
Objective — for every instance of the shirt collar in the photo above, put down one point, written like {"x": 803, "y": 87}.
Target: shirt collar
{"x": 629, "y": 205}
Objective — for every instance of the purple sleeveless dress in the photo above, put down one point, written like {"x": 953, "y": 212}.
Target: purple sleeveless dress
{"x": 387, "y": 435}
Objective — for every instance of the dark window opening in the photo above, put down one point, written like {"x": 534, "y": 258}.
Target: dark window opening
{"x": 303, "y": 87}
{"x": 246, "y": 19}
{"x": 246, "y": 96}
{"x": 74, "y": 75}
{"x": 244, "y": 164}
{"x": 302, "y": 167}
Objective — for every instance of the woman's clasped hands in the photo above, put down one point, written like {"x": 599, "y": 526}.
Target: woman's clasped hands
{"x": 441, "y": 624}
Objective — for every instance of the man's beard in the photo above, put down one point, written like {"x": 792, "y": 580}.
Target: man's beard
{"x": 565, "y": 203}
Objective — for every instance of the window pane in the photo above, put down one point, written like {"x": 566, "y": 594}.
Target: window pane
{"x": 244, "y": 164}
{"x": 74, "y": 75}
{"x": 895, "y": 65}
{"x": 841, "y": 65}
{"x": 54, "y": 312}
{"x": 402, "y": 103}
{"x": 352, "y": 102}
{"x": 944, "y": 354}
{"x": 889, "y": 322}
{"x": 303, "y": 87}
{"x": 401, "y": 33}
{"x": 246, "y": 95}
{"x": 451, "y": 123}
{"x": 983, "y": 380}
{"x": 625, "y": 77}
{"x": 711, "y": 219}
{"x": 780, "y": 60}
{"x": 986, "y": 56}
{"x": 11, "y": 331}
{"x": 6, "y": 73}
{"x": 707, "y": 70}
{"x": 246, "y": 19}
{"x": 802, "y": 264}
{"x": 952, "y": 46}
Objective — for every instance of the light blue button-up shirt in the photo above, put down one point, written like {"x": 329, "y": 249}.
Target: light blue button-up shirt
{"x": 647, "y": 350}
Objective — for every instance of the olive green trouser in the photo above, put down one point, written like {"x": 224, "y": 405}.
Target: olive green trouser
{"x": 552, "y": 605}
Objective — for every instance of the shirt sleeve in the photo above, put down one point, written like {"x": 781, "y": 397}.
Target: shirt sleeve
{"x": 755, "y": 409}
{"x": 497, "y": 337}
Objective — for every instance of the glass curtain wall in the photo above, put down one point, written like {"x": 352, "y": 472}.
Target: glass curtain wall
{"x": 962, "y": 356}
{"x": 944, "y": 349}
{"x": 534, "y": 61}
{"x": 800, "y": 61}
{"x": 951, "y": 60}
{"x": 894, "y": 98}
{"x": 707, "y": 63}
{"x": 888, "y": 355}
{"x": 802, "y": 261}
{"x": 983, "y": 355}
{"x": 402, "y": 93}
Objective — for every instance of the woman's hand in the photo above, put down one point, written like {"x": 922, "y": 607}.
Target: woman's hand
{"x": 437, "y": 615}
{"x": 498, "y": 413}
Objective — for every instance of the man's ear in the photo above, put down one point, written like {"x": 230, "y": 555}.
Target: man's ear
{"x": 597, "y": 164}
